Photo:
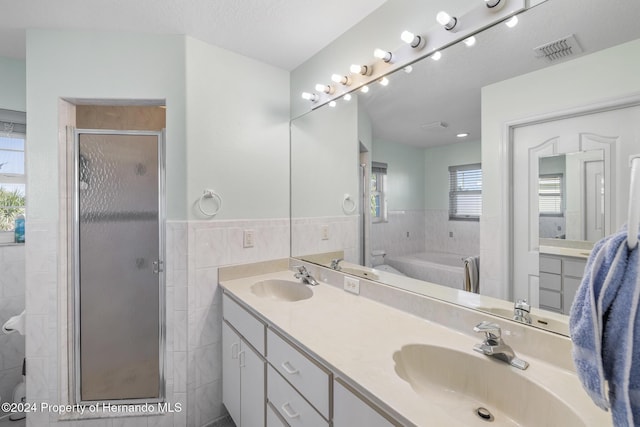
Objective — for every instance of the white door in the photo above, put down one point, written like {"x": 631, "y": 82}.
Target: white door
{"x": 231, "y": 372}
{"x": 616, "y": 132}
{"x": 252, "y": 388}
{"x": 594, "y": 200}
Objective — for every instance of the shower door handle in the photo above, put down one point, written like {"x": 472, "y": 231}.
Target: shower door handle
{"x": 158, "y": 267}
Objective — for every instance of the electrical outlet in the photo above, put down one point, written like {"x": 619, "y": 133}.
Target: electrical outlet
{"x": 324, "y": 232}
{"x": 247, "y": 241}
{"x": 451, "y": 234}
{"x": 352, "y": 285}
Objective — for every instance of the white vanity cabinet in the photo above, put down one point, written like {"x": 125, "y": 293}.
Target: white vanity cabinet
{"x": 560, "y": 278}
{"x": 243, "y": 365}
{"x": 352, "y": 410}
{"x": 298, "y": 387}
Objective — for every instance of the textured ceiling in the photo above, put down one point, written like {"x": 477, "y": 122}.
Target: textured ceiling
{"x": 283, "y": 33}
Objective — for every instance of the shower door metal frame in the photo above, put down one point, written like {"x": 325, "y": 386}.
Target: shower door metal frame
{"x": 75, "y": 392}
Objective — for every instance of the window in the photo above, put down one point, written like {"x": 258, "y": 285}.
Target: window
{"x": 551, "y": 200}
{"x": 465, "y": 192}
{"x": 12, "y": 170}
{"x": 378, "y": 189}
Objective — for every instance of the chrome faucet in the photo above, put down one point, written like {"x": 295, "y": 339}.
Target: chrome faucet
{"x": 494, "y": 346}
{"x": 521, "y": 310}
{"x": 304, "y": 275}
{"x": 335, "y": 264}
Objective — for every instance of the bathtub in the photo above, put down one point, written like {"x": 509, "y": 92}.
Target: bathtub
{"x": 435, "y": 267}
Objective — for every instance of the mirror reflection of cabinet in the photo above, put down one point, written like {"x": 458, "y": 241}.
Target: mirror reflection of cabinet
{"x": 559, "y": 280}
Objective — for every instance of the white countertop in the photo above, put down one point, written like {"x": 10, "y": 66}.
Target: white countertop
{"x": 357, "y": 337}
{"x": 564, "y": 251}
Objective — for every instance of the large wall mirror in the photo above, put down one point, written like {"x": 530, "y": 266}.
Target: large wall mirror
{"x": 391, "y": 181}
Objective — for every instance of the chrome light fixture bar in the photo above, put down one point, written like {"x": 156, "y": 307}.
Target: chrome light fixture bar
{"x": 414, "y": 48}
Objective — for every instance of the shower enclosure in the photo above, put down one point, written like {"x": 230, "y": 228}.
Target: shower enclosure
{"x": 118, "y": 255}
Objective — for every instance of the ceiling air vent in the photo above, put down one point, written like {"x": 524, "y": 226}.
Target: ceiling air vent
{"x": 434, "y": 126}
{"x": 559, "y": 49}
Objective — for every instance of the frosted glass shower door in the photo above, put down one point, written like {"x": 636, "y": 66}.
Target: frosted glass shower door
{"x": 119, "y": 279}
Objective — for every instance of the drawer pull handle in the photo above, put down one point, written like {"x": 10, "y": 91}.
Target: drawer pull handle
{"x": 234, "y": 350}
{"x": 289, "y": 369}
{"x": 287, "y": 409}
{"x": 241, "y": 358}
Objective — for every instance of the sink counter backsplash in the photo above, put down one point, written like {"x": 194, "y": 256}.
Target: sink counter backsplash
{"x": 358, "y": 336}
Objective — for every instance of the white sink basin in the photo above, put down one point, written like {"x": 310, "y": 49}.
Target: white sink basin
{"x": 282, "y": 290}
{"x": 539, "y": 321}
{"x": 463, "y": 382}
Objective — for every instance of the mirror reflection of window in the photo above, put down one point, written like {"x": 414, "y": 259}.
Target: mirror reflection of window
{"x": 378, "y": 192}
{"x": 550, "y": 195}
{"x": 12, "y": 172}
{"x": 465, "y": 192}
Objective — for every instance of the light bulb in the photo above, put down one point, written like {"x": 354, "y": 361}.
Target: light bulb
{"x": 494, "y": 5}
{"x": 470, "y": 41}
{"x": 383, "y": 54}
{"x": 325, "y": 88}
{"x": 408, "y": 69}
{"x": 344, "y": 80}
{"x": 332, "y": 104}
{"x": 347, "y": 97}
{"x": 364, "y": 89}
{"x": 416, "y": 42}
{"x": 384, "y": 81}
{"x": 309, "y": 96}
{"x": 462, "y": 135}
{"x": 407, "y": 37}
{"x": 446, "y": 20}
{"x": 436, "y": 55}
{"x": 512, "y": 22}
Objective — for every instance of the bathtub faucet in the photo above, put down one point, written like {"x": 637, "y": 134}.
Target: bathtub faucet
{"x": 335, "y": 264}
{"x": 304, "y": 275}
{"x": 521, "y": 310}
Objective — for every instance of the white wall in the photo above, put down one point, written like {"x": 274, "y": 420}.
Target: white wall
{"x": 226, "y": 130}
{"x": 13, "y": 84}
{"x": 324, "y": 160}
{"x": 606, "y": 75}
{"x": 405, "y": 174}
{"x": 237, "y": 132}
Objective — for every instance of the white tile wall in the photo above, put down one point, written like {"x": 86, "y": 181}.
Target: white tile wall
{"x": 343, "y": 235}
{"x": 210, "y": 246}
{"x": 12, "y": 300}
{"x": 403, "y": 233}
{"x": 466, "y": 234}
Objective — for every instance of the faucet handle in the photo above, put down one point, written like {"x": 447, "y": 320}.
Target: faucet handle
{"x": 523, "y": 305}
{"x": 491, "y": 330}
{"x": 301, "y": 269}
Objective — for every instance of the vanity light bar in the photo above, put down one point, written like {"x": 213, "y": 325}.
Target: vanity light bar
{"x": 416, "y": 47}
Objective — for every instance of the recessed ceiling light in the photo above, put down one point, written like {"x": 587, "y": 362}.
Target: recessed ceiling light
{"x": 462, "y": 135}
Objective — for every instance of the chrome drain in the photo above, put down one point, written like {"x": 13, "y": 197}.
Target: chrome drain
{"x": 484, "y": 414}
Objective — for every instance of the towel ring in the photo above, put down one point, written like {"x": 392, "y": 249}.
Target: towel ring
{"x": 210, "y": 194}
{"x": 345, "y": 202}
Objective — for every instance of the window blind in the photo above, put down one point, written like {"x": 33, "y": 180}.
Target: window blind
{"x": 465, "y": 192}
{"x": 550, "y": 195}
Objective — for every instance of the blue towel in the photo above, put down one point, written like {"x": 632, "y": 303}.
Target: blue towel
{"x": 603, "y": 328}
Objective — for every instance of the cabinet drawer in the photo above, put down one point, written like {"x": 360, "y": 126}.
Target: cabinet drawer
{"x": 551, "y": 299}
{"x": 550, "y": 265}
{"x": 574, "y": 268}
{"x": 551, "y": 281}
{"x": 249, "y": 327}
{"x": 293, "y": 408}
{"x": 273, "y": 419}
{"x": 305, "y": 375}
{"x": 570, "y": 287}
